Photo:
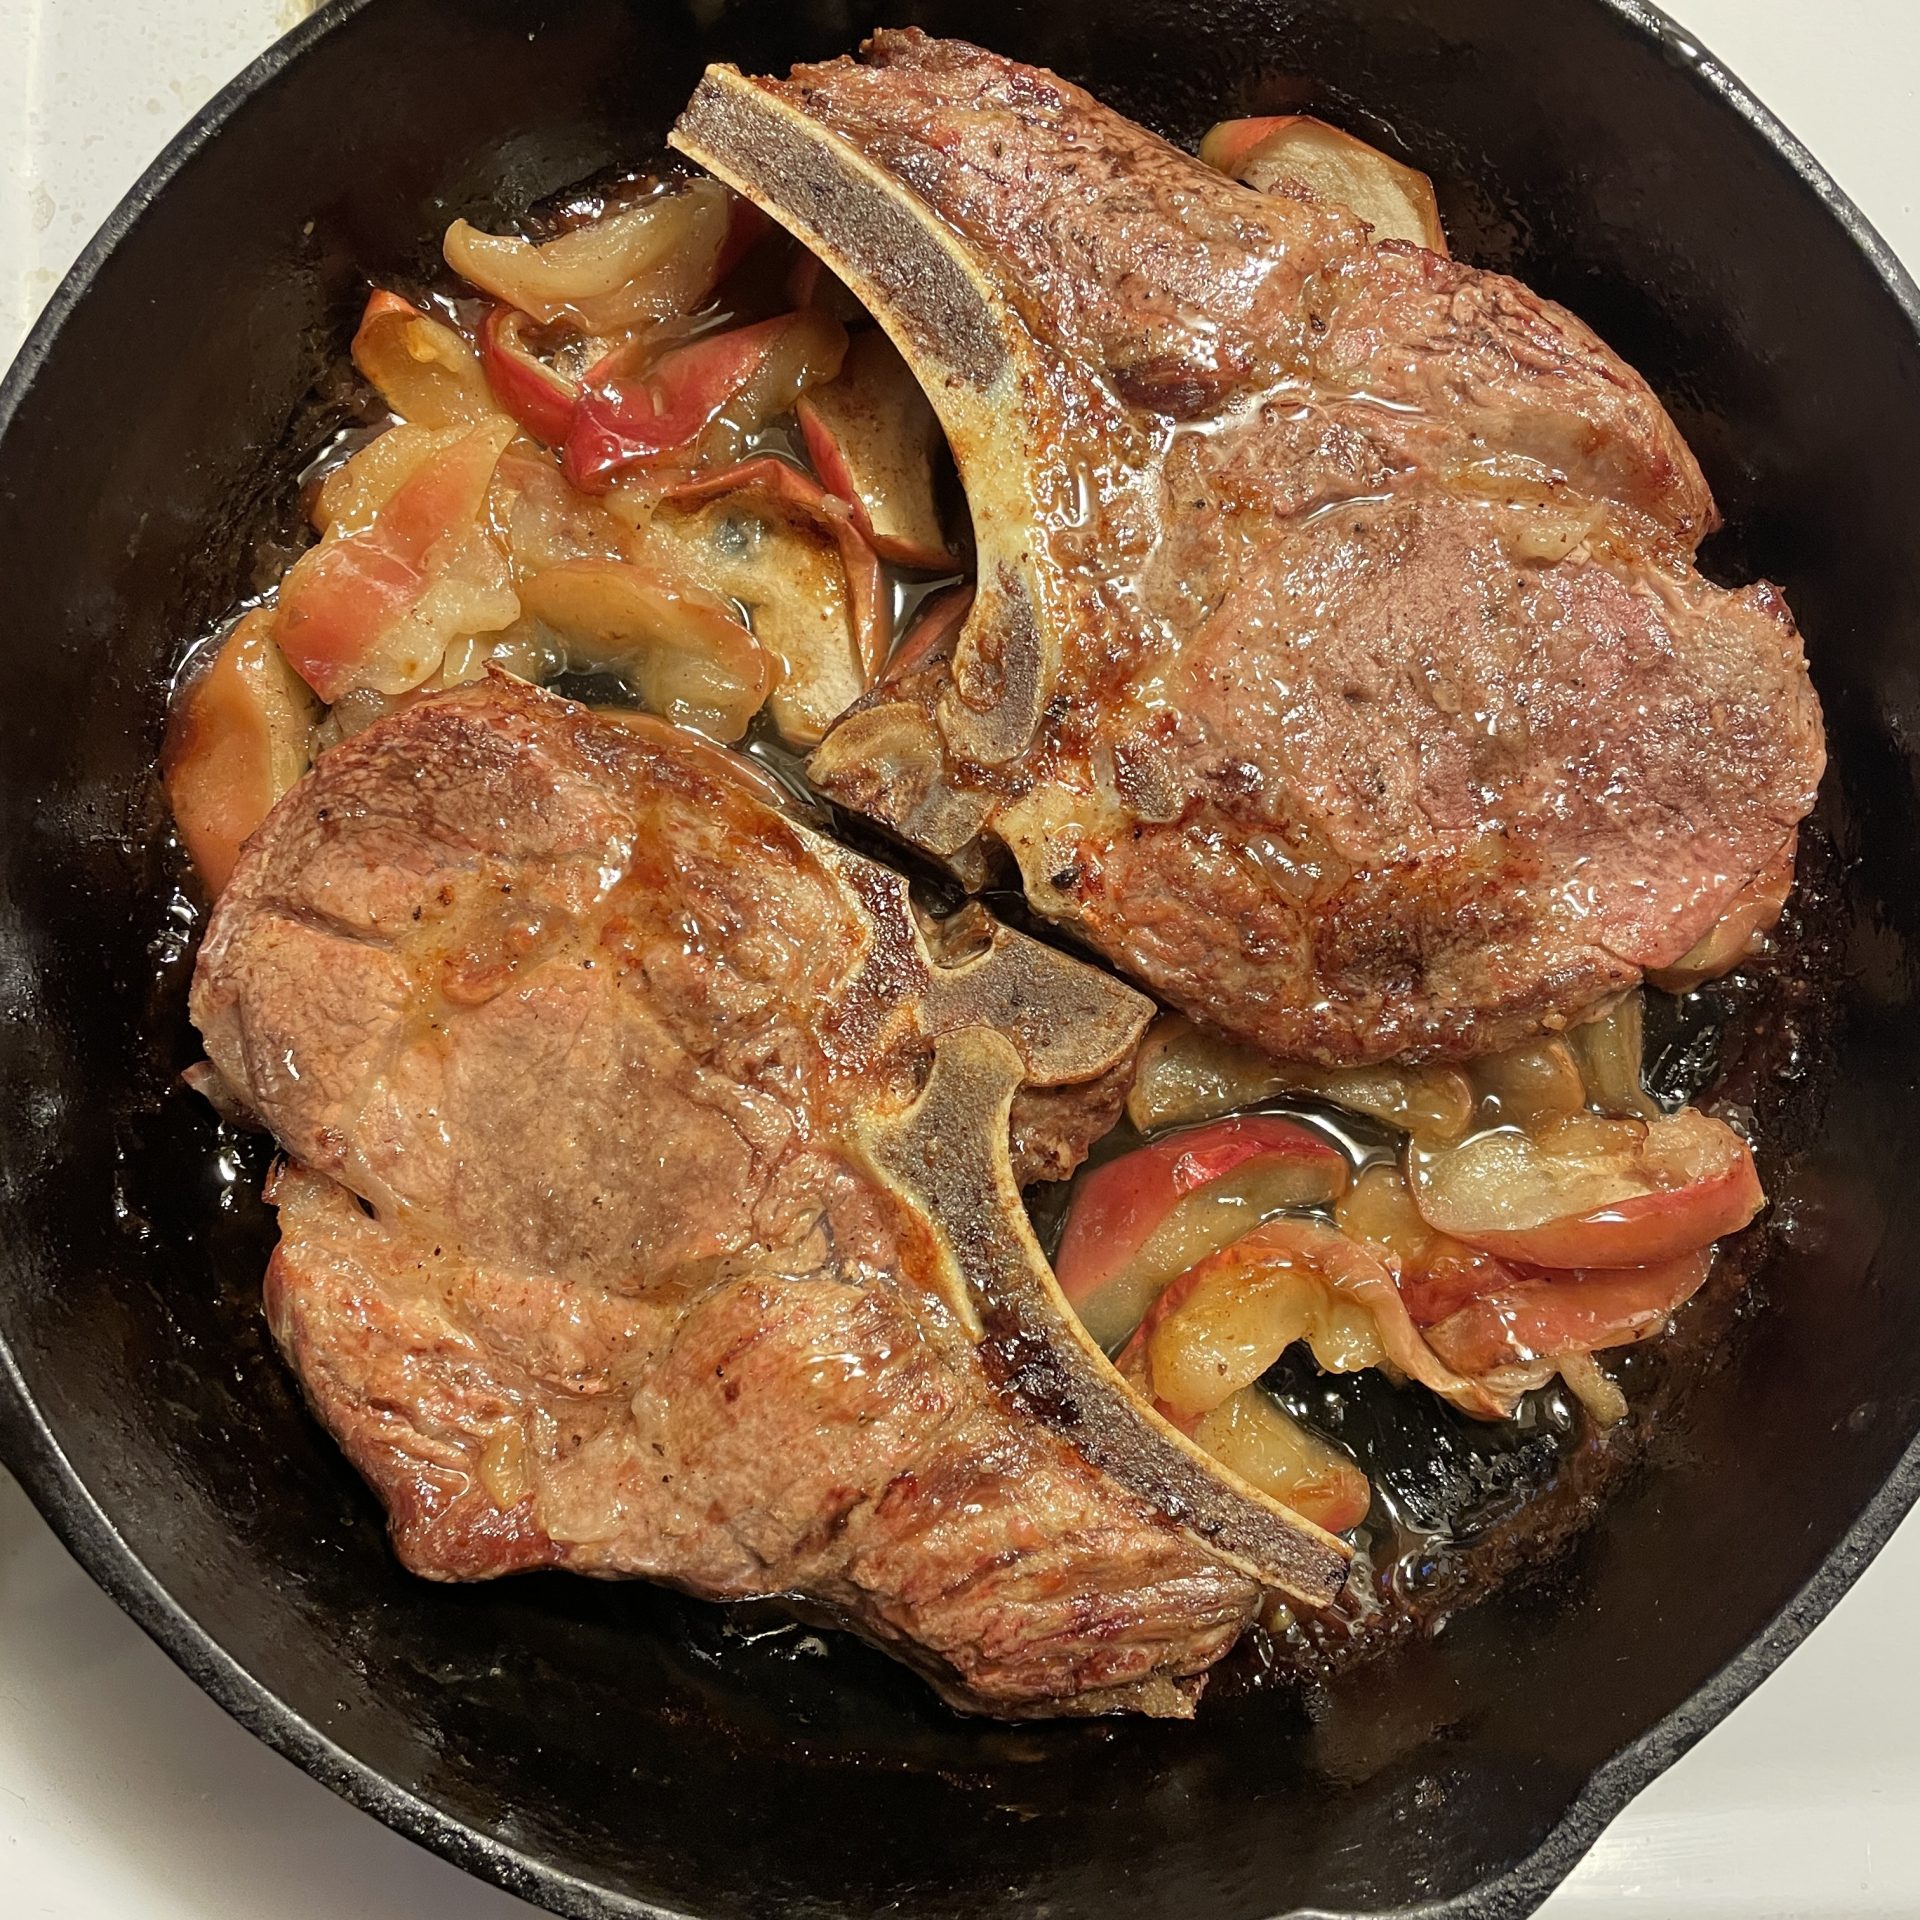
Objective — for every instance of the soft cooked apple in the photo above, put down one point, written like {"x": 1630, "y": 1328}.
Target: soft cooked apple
{"x": 237, "y": 740}
{"x": 775, "y": 549}
{"x": 1611, "y": 1051}
{"x": 349, "y": 497}
{"x": 1226, "y": 1320}
{"x": 1584, "y": 1191}
{"x": 1187, "y": 1074}
{"x": 542, "y": 520}
{"x": 1288, "y": 151}
{"x": 1271, "y": 1450}
{"x": 541, "y": 398}
{"x": 687, "y": 656}
{"x": 800, "y": 495}
{"x": 421, "y": 368}
{"x": 936, "y": 623}
{"x": 635, "y": 264}
{"x": 1142, "y": 1219}
{"x": 1548, "y": 1316}
{"x": 375, "y": 607}
{"x": 694, "y": 404}
{"x": 872, "y": 436}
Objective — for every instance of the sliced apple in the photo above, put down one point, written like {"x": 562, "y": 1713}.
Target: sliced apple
{"x": 1549, "y": 1316}
{"x": 798, "y": 493}
{"x": 688, "y": 658}
{"x": 1289, "y": 151}
{"x": 1584, "y": 1191}
{"x": 421, "y": 368}
{"x": 1612, "y": 1055}
{"x": 236, "y": 741}
{"x": 695, "y": 404}
{"x": 1143, "y": 1219}
{"x": 1188, "y": 1074}
{"x": 635, "y": 264}
{"x": 544, "y": 521}
{"x": 1271, "y": 1450}
{"x": 872, "y": 436}
{"x": 540, "y": 397}
{"x": 347, "y": 500}
{"x": 936, "y": 624}
{"x": 1527, "y": 1084}
{"x": 375, "y": 607}
{"x": 1224, "y": 1322}
{"x": 788, "y": 569}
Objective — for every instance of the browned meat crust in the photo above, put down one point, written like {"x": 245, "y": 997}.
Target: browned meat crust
{"x": 579, "y": 1044}
{"x": 1340, "y": 668}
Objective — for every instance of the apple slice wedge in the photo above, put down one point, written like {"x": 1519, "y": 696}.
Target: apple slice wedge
{"x": 1140, "y": 1220}
{"x": 630, "y": 266}
{"x": 872, "y": 436}
{"x": 236, "y": 741}
{"x": 540, "y": 397}
{"x": 1296, "y": 150}
{"x": 375, "y": 607}
{"x": 421, "y": 368}
{"x": 689, "y": 659}
{"x": 1219, "y": 1326}
{"x": 695, "y": 404}
{"x": 1583, "y": 1191}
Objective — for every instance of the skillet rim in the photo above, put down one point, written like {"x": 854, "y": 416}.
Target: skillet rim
{"x": 30, "y": 1451}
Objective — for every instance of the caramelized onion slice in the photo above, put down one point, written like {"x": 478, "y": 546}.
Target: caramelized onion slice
{"x": 872, "y": 436}
{"x": 236, "y": 741}
{"x": 421, "y": 368}
{"x": 1188, "y": 1074}
{"x": 635, "y": 264}
{"x": 1290, "y": 151}
{"x": 375, "y": 608}
{"x": 1584, "y": 1191}
{"x": 1141, "y": 1220}
{"x": 689, "y": 659}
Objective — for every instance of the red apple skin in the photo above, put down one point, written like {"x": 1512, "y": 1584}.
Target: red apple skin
{"x": 935, "y": 625}
{"x": 342, "y": 594}
{"x": 667, "y": 410}
{"x": 1644, "y": 1231}
{"x": 1118, "y": 1206}
{"x": 1536, "y": 1316}
{"x": 541, "y": 400}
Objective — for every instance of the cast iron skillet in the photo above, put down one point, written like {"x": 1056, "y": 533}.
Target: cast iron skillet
{"x": 613, "y": 1750}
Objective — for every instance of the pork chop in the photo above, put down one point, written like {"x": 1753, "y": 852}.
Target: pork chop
{"x": 652, "y": 1209}
{"x": 1339, "y": 666}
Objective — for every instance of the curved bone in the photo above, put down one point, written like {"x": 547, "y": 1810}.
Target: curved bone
{"x": 967, "y": 349}
{"x": 946, "y": 1156}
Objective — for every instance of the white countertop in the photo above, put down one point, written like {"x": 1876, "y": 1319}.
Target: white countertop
{"x": 125, "y": 1794}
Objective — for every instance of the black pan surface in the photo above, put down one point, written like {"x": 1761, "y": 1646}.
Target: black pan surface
{"x": 615, "y": 1750}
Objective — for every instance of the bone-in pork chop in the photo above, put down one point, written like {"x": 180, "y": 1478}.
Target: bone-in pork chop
{"x": 1338, "y": 664}
{"x": 653, "y": 1209}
